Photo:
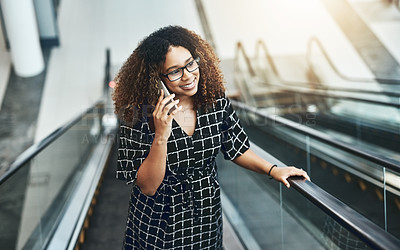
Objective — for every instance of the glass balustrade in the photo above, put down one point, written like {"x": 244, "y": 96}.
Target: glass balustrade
{"x": 367, "y": 187}
{"x": 33, "y": 199}
{"x": 274, "y": 217}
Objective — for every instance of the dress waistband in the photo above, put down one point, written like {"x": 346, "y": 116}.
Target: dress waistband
{"x": 177, "y": 184}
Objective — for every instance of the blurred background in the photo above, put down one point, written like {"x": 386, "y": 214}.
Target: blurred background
{"x": 316, "y": 84}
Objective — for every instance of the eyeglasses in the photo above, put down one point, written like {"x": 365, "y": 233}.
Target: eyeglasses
{"x": 177, "y": 74}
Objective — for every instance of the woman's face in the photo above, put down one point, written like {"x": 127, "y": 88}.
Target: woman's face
{"x": 187, "y": 85}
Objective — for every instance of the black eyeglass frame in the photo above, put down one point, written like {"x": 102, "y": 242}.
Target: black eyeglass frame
{"x": 197, "y": 60}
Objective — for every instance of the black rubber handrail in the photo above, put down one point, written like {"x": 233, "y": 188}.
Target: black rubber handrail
{"x": 261, "y": 45}
{"x": 367, "y": 155}
{"x": 366, "y": 230}
{"x": 340, "y": 74}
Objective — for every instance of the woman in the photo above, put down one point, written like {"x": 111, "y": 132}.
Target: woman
{"x": 169, "y": 153}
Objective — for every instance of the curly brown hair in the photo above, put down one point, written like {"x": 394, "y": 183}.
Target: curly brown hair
{"x": 137, "y": 81}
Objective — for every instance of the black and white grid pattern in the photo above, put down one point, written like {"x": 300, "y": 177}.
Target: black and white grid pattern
{"x": 185, "y": 212}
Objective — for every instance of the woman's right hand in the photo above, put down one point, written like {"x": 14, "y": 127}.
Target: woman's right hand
{"x": 162, "y": 117}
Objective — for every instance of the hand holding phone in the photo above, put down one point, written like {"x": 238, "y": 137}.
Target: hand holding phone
{"x": 166, "y": 93}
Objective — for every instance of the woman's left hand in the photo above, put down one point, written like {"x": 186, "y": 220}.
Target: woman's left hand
{"x": 282, "y": 173}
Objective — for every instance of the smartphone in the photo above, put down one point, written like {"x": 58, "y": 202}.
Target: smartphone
{"x": 166, "y": 93}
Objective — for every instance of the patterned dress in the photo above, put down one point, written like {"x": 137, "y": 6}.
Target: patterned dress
{"x": 185, "y": 212}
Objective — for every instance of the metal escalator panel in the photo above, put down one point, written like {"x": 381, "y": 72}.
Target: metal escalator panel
{"x": 361, "y": 178}
{"x": 34, "y": 196}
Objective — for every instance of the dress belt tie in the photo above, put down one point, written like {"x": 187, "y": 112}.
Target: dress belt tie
{"x": 185, "y": 185}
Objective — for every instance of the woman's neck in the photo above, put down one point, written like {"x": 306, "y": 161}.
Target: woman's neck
{"x": 186, "y": 102}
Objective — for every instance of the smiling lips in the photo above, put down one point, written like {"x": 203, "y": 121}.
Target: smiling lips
{"x": 189, "y": 86}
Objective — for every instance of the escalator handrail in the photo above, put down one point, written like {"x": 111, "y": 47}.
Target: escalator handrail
{"x": 37, "y": 147}
{"x": 240, "y": 49}
{"x": 362, "y": 227}
{"x": 261, "y": 45}
{"x": 371, "y": 156}
{"x": 353, "y": 221}
{"x": 336, "y": 70}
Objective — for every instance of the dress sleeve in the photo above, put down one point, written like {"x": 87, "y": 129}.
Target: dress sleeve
{"x": 234, "y": 139}
{"x": 134, "y": 146}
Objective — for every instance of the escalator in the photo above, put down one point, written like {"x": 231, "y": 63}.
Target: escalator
{"x": 365, "y": 35}
{"x": 46, "y": 193}
{"x": 267, "y": 215}
{"x": 371, "y": 111}
{"x": 354, "y": 168}
{"x": 45, "y": 196}
{"x": 297, "y": 145}
{"x": 50, "y": 199}
{"x": 332, "y": 109}
{"x": 368, "y": 187}
{"x": 71, "y": 214}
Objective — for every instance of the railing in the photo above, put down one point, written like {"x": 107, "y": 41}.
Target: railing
{"x": 303, "y": 129}
{"x": 243, "y": 78}
{"x": 262, "y": 52}
{"x": 38, "y": 186}
{"x": 379, "y": 170}
{"x": 380, "y": 160}
{"x": 279, "y": 218}
{"x": 320, "y": 93}
{"x": 36, "y": 148}
{"x": 42, "y": 195}
{"x": 251, "y": 85}
{"x": 278, "y": 82}
{"x": 316, "y": 42}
